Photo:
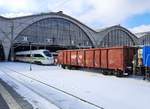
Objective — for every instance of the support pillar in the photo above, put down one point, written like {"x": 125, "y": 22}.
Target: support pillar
{"x": 6, "y": 46}
{"x": 12, "y": 53}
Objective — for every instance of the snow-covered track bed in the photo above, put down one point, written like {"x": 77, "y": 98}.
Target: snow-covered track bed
{"x": 108, "y": 92}
{"x": 61, "y": 98}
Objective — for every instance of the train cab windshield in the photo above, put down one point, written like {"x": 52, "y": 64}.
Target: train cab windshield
{"x": 47, "y": 53}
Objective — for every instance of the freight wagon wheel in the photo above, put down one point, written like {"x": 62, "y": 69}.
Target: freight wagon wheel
{"x": 119, "y": 74}
{"x": 110, "y": 72}
{"x": 104, "y": 72}
{"x": 63, "y": 66}
{"x": 113, "y": 72}
{"x": 68, "y": 67}
{"x": 73, "y": 68}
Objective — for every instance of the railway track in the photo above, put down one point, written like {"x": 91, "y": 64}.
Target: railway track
{"x": 29, "y": 88}
{"x": 95, "y": 106}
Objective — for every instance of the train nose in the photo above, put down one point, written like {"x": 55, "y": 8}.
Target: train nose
{"x": 51, "y": 60}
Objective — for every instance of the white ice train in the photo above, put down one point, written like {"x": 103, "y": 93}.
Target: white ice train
{"x": 35, "y": 56}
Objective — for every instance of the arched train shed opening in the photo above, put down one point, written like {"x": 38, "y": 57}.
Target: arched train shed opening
{"x": 145, "y": 39}
{"x": 52, "y": 34}
{"x": 118, "y": 37}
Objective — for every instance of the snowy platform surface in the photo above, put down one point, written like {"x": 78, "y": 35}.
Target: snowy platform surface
{"x": 108, "y": 92}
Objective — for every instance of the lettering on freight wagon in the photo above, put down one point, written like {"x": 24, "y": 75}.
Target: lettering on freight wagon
{"x": 80, "y": 56}
{"x": 96, "y": 64}
{"x": 80, "y": 59}
{"x": 73, "y": 56}
{"x": 111, "y": 62}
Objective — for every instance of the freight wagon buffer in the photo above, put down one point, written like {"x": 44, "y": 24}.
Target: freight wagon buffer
{"x": 116, "y": 60}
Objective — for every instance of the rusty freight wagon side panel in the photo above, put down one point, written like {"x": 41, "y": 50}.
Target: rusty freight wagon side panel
{"x": 68, "y": 57}
{"x": 97, "y": 58}
{"x": 74, "y": 58}
{"x": 65, "y": 57}
{"x": 115, "y": 58}
{"x": 81, "y": 58}
{"x": 89, "y": 58}
{"x": 104, "y": 58}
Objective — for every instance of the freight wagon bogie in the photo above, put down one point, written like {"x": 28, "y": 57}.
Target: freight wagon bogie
{"x": 120, "y": 73}
{"x": 65, "y": 67}
{"x": 109, "y": 72}
{"x": 69, "y": 67}
{"x": 117, "y": 72}
{"x": 106, "y": 72}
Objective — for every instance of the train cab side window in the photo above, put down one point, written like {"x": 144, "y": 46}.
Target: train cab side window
{"x": 38, "y": 55}
{"x": 47, "y": 53}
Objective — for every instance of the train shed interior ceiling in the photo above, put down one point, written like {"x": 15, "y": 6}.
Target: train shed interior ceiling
{"x": 56, "y": 31}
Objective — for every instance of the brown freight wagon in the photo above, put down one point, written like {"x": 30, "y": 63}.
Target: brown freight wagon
{"x": 115, "y": 60}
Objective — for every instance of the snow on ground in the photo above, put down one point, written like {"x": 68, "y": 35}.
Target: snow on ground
{"x": 36, "y": 101}
{"x": 106, "y": 91}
